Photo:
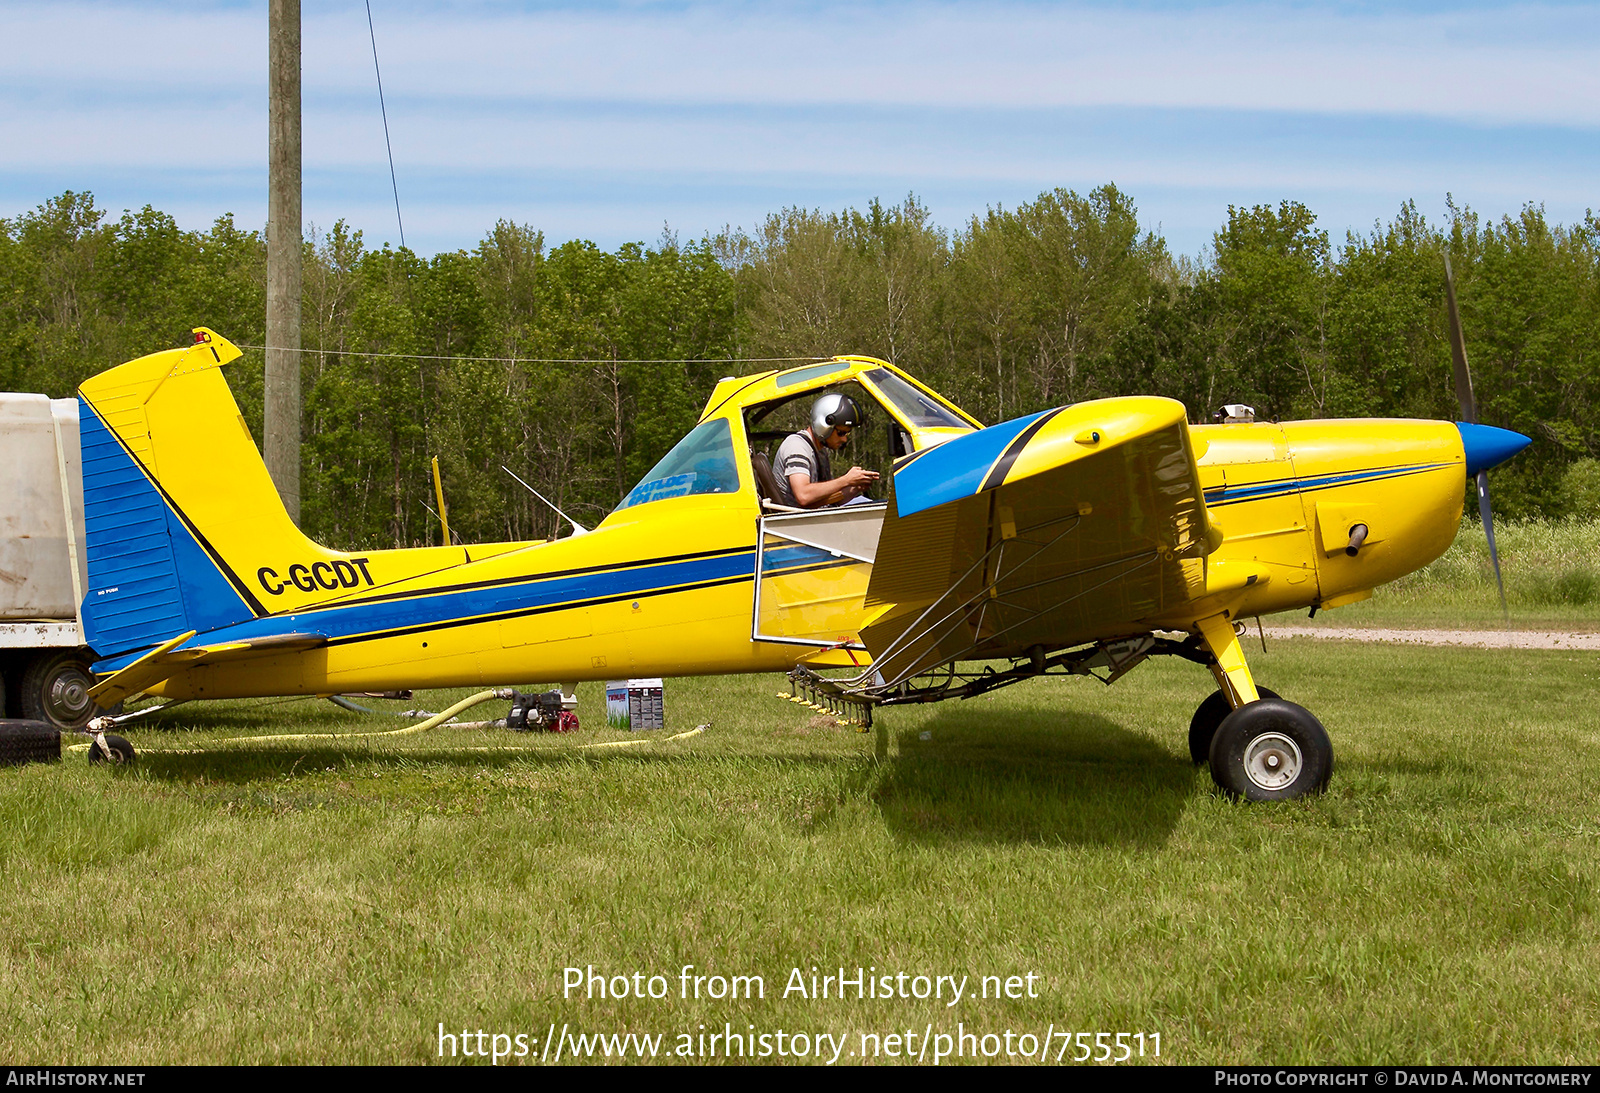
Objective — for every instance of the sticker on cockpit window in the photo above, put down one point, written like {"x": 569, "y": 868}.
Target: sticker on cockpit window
{"x": 674, "y": 485}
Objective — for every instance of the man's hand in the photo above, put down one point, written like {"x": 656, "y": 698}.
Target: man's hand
{"x": 812, "y": 495}
{"x": 857, "y": 481}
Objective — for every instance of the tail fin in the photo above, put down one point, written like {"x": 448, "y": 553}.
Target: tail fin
{"x": 178, "y": 505}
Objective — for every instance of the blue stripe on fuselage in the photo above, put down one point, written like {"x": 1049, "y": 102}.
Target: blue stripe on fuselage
{"x": 438, "y": 610}
{"x": 1233, "y": 495}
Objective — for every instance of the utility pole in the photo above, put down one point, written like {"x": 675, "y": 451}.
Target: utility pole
{"x": 281, "y": 427}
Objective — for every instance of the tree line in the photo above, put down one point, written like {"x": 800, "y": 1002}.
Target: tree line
{"x": 577, "y": 368}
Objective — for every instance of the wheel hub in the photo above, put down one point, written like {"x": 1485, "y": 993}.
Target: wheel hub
{"x": 68, "y": 696}
{"x": 1272, "y": 761}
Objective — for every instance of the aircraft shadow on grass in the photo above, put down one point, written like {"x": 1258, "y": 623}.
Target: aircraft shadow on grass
{"x": 239, "y": 763}
{"x": 1045, "y": 778}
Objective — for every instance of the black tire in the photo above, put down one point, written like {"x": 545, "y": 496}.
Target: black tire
{"x": 1271, "y": 750}
{"x": 11, "y": 677}
{"x": 121, "y": 751}
{"x": 1203, "y": 725}
{"x": 28, "y": 742}
{"x": 55, "y": 689}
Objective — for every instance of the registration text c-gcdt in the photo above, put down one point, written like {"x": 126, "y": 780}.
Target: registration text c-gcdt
{"x": 326, "y": 576}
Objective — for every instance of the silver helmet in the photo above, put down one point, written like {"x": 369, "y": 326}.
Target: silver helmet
{"x": 831, "y": 410}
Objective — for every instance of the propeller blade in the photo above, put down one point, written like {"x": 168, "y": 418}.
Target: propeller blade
{"x": 1488, "y": 531}
{"x": 1484, "y": 446}
{"x": 1458, "y": 350}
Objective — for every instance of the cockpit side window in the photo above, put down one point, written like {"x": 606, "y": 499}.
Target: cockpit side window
{"x": 869, "y": 446}
{"x": 702, "y": 462}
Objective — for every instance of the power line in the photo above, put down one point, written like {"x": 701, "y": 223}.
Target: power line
{"x": 385, "y": 111}
{"x": 546, "y": 360}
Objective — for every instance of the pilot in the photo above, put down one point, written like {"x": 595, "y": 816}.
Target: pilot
{"x": 805, "y": 479}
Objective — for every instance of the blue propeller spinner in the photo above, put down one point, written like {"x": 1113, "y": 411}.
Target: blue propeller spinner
{"x": 1487, "y": 446}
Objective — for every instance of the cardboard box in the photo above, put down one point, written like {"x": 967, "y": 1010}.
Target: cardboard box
{"x": 635, "y": 704}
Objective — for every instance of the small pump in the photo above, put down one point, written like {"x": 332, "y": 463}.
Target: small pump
{"x": 546, "y": 711}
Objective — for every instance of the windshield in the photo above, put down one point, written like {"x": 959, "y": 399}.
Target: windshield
{"x": 702, "y": 462}
{"x": 921, "y": 411}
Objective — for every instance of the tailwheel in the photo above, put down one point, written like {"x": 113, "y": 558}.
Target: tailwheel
{"x": 1203, "y": 726}
{"x": 1271, "y": 750}
{"x": 110, "y": 746}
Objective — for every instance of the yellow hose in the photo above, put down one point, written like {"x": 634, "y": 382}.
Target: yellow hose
{"x": 696, "y": 731}
{"x": 422, "y": 726}
{"x": 409, "y": 730}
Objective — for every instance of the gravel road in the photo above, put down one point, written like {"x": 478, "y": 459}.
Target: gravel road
{"x": 1483, "y": 639}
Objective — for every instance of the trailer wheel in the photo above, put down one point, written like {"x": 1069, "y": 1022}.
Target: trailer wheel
{"x": 28, "y": 742}
{"x": 55, "y": 689}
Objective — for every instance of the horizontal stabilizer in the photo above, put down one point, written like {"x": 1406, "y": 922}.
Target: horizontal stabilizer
{"x": 142, "y": 673}
{"x": 165, "y": 660}
{"x": 238, "y": 650}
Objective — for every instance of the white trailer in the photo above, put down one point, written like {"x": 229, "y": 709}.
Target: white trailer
{"x": 43, "y": 573}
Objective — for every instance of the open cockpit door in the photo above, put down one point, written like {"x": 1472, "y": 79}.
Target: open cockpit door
{"x": 812, "y": 569}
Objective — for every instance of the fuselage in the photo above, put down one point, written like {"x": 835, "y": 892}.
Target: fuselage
{"x": 667, "y": 587}
{"x": 671, "y": 587}
{"x": 691, "y": 575}
{"x": 1286, "y": 497}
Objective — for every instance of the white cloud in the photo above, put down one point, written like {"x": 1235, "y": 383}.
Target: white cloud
{"x": 1518, "y": 63}
{"x": 698, "y": 106}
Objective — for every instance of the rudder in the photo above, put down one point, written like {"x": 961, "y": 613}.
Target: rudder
{"x": 176, "y": 500}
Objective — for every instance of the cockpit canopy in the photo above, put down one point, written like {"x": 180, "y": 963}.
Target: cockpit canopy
{"x": 749, "y": 411}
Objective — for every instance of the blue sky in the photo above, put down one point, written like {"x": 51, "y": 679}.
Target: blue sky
{"x": 606, "y": 121}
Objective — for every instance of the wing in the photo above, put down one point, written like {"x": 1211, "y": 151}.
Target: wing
{"x": 1052, "y": 530}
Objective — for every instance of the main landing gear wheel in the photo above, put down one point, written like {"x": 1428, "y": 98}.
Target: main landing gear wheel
{"x": 1203, "y": 726}
{"x": 55, "y": 690}
{"x": 1271, "y": 750}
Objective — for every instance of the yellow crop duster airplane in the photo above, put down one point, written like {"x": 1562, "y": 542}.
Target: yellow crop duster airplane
{"x": 1080, "y": 539}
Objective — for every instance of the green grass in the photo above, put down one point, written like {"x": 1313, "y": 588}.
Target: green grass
{"x": 1551, "y": 572}
{"x": 337, "y": 903}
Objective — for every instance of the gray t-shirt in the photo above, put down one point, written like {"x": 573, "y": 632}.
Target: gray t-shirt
{"x": 799, "y": 455}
